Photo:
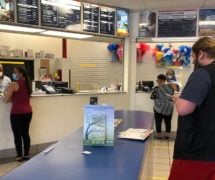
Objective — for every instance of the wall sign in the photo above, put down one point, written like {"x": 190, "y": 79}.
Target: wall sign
{"x": 90, "y": 17}
{"x": 177, "y": 23}
{"x": 207, "y": 22}
{"x": 122, "y": 25}
{"x": 147, "y": 24}
{"x": 27, "y": 11}
{"x": 107, "y": 20}
{"x": 61, "y": 14}
{"x": 7, "y": 10}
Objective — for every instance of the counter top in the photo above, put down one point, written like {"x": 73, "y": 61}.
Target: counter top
{"x": 66, "y": 161}
{"x": 79, "y": 93}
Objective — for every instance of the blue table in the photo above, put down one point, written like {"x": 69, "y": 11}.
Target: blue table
{"x": 65, "y": 162}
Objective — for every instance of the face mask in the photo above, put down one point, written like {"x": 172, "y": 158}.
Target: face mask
{"x": 1, "y": 74}
{"x": 169, "y": 76}
{"x": 15, "y": 77}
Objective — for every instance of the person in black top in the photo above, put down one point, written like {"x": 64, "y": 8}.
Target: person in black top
{"x": 194, "y": 151}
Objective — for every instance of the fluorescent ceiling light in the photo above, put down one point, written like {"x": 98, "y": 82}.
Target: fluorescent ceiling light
{"x": 66, "y": 34}
{"x": 143, "y": 24}
{"x": 167, "y": 39}
{"x": 206, "y": 22}
{"x": 63, "y": 4}
{"x": 175, "y": 39}
{"x": 20, "y": 29}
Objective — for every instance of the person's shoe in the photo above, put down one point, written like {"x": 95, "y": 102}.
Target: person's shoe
{"x": 166, "y": 137}
{"x": 19, "y": 158}
{"x": 158, "y": 138}
{"x": 26, "y": 158}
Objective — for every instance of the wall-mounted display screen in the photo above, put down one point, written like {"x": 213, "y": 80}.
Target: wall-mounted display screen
{"x": 7, "y": 10}
{"x": 27, "y": 11}
{"x": 90, "y": 17}
{"x": 107, "y": 20}
{"x": 122, "y": 25}
{"x": 207, "y": 22}
{"x": 147, "y": 24}
{"x": 61, "y": 14}
{"x": 177, "y": 23}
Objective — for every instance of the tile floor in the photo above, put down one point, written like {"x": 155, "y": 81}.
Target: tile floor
{"x": 158, "y": 160}
{"x": 156, "y": 165}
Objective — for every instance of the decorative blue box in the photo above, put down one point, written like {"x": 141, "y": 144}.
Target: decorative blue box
{"x": 98, "y": 125}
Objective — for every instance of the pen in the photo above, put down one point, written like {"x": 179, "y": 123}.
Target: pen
{"x": 49, "y": 149}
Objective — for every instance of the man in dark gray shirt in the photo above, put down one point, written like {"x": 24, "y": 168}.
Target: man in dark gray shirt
{"x": 194, "y": 151}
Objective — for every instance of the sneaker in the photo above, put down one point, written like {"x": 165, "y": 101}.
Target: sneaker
{"x": 19, "y": 158}
{"x": 26, "y": 158}
{"x": 158, "y": 138}
{"x": 166, "y": 137}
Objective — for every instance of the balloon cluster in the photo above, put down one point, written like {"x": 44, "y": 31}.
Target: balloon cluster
{"x": 117, "y": 52}
{"x": 141, "y": 50}
{"x": 172, "y": 57}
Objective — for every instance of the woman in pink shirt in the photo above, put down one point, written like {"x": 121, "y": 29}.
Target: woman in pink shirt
{"x": 19, "y": 93}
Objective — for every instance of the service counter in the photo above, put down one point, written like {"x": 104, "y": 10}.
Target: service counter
{"x": 55, "y": 116}
{"x": 123, "y": 161}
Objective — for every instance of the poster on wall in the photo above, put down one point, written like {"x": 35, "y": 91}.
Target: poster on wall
{"x": 27, "y": 11}
{"x": 64, "y": 14}
{"x": 207, "y": 22}
{"x": 90, "y": 17}
{"x": 107, "y": 20}
{"x": 147, "y": 24}
{"x": 177, "y": 23}
{"x": 122, "y": 22}
{"x": 7, "y": 10}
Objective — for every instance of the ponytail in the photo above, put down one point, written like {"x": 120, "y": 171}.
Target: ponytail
{"x": 27, "y": 79}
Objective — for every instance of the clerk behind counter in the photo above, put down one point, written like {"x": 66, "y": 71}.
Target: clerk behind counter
{"x": 4, "y": 80}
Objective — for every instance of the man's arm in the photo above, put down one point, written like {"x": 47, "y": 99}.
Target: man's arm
{"x": 184, "y": 107}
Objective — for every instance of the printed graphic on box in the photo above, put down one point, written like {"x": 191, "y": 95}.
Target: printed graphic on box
{"x": 98, "y": 125}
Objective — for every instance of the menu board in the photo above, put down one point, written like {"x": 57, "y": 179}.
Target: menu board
{"x": 207, "y": 22}
{"x": 7, "y": 10}
{"x": 91, "y": 17}
{"x": 107, "y": 20}
{"x": 177, "y": 23}
{"x": 61, "y": 14}
{"x": 122, "y": 22}
{"x": 27, "y": 11}
{"x": 147, "y": 24}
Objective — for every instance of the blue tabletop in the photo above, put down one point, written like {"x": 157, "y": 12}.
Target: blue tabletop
{"x": 66, "y": 161}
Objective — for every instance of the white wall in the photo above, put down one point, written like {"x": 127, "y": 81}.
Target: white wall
{"x": 91, "y": 64}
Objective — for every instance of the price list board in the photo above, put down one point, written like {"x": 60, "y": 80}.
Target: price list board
{"x": 107, "y": 20}
{"x": 90, "y": 17}
{"x": 27, "y": 12}
{"x": 65, "y": 15}
{"x": 177, "y": 23}
{"x": 207, "y": 22}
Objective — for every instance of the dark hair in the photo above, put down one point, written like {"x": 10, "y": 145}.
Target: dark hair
{"x": 205, "y": 44}
{"x": 162, "y": 77}
{"x": 27, "y": 78}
